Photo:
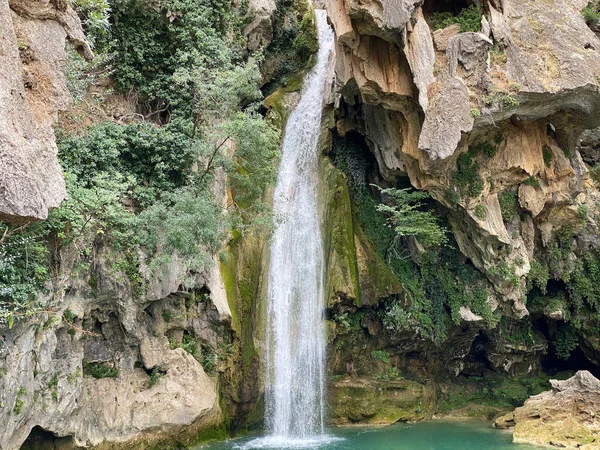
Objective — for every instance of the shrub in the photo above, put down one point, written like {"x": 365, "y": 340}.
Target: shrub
{"x": 99, "y": 370}
{"x": 565, "y": 341}
{"x": 467, "y": 177}
{"x": 381, "y": 355}
{"x": 155, "y": 377}
{"x": 24, "y": 271}
{"x": 590, "y": 13}
{"x": 408, "y": 218}
{"x": 547, "y": 155}
{"x": 508, "y": 205}
{"x": 469, "y": 19}
{"x": 480, "y": 212}
{"x": 533, "y": 181}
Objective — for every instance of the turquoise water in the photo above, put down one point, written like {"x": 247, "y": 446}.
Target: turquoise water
{"x": 434, "y": 435}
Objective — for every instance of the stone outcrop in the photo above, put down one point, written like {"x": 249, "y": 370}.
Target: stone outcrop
{"x": 565, "y": 416}
{"x": 522, "y": 85}
{"x": 365, "y": 401}
{"x": 32, "y": 91}
{"x": 106, "y": 367}
{"x": 259, "y": 32}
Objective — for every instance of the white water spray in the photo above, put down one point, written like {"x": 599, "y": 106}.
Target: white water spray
{"x": 295, "y": 355}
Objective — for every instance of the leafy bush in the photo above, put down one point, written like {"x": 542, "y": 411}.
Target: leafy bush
{"x": 533, "y": 181}
{"x": 538, "y": 276}
{"x": 467, "y": 176}
{"x": 99, "y": 370}
{"x": 508, "y": 205}
{"x": 150, "y": 44}
{"x": 469, "y": 19}
{"x": 565, "y": 341}
{"x": 408, "y": 218}
{"x": 591, "y": 13}
{"x": 480, "y": 212}
{"x": 24, "y": 271}
{"x": 381, "y": 355}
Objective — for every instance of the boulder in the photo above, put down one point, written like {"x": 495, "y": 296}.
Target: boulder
{"x": 565, "y": 416}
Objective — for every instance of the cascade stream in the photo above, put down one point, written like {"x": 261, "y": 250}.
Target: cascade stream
{"x": 295, "y": 354}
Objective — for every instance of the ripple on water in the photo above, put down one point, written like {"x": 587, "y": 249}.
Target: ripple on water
{"x": 285, "y": 443}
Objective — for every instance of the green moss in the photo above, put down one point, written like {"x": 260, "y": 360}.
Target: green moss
{"x": 493, "y": 393}
{"x": 19, "y": 402}
{"x": 342, "y": 265}
{"x": 294, "y": 43}
{"x": 378, "y": 402}
{"x": 213, "y": 433}
{"x": 547, "y": 155}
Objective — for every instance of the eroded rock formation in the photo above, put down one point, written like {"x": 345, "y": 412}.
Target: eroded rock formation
{"x": 106, "y": 366}
{"x": 423, "y": 98}
{"x": 32, "y": 90}
{"x": 563, "y": 417}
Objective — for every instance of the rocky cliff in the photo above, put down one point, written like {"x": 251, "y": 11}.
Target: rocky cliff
{"x": 33, "y": 91}
{"x": 490, "y": 107}
{"x": 482, "y": 105}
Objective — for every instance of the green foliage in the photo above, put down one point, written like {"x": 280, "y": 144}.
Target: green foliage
{"x": 434, "y": 289}
{"x": 480, "y": 212}
{"x": 94, "y": 16}
{"x": 294, "y": 41}
{"x": 595, "y": 173}
{"x": 581, "y": 277}
{"x": 583, "y": 213}
{"x": 167, "y": 315}
{"x": 23, "y": 271}
{"x": 381, "y": 355}
{"x": 469, "y": 19}
{"x": 486, "y": 148}
{"x": 408, "y": 218}
{"x": 148, "y": 158}
{"x": 538, "y": 276}
{"x": 508, "y": 205}
{"x": 475, "y": 113}
{"x": 99, "y": 370}
{"x": 185, "y": 222}
{"x": 155, "y": 376}
{"x": 565, "y": 341}
{"x": 150, "y": 44}
{"x": 547, "y": 155}
{"x": 510, "y": 100}
{"x": 467, "y": 177}
{"x": 591, "y": 13}
{"x": 532, "y": 181}
{"x": 506, "y": 273}
{"x": 18, "y": 408}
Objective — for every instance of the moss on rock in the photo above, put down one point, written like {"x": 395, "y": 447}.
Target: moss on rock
{"x": 354, "y": 400}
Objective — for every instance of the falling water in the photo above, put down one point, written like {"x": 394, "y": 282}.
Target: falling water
{"x": 295, "y": 354}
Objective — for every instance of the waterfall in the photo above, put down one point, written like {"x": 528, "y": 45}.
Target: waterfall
{"x": 295, "y": 354}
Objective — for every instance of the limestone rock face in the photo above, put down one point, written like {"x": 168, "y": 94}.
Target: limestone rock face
{"x": 32, "y": 90}
{"x": 526, "y": 86}
{"x": 105, "y": 368}
{"x": 260, "y": 31}
{"x": 564, "y": 416}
